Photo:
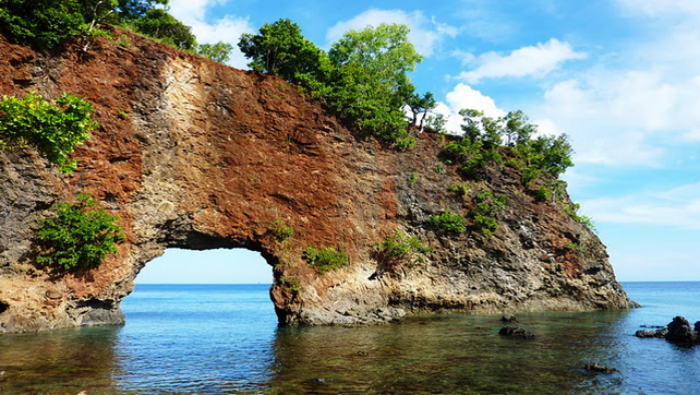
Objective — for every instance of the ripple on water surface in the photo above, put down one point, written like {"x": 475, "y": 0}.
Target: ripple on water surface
{"x": 224, "y": 340}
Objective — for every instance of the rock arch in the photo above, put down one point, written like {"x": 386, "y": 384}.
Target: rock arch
{"x": 209, "y": 156}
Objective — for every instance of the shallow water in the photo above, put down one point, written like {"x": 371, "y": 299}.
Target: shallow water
{"x": 218, "y": 339}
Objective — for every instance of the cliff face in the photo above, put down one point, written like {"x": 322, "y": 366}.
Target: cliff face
{"x": 209, "y": 157}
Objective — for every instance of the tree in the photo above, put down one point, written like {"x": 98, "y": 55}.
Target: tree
{"x": 369, "y": 84}
{"x": 45, "y": 23}
{"x": 282, "y": 50}
{"x": 159, "y": 24}
{"x": 219, "y": 52}
{"x": 131, "y": 10}
{"x": 417, "y": 104}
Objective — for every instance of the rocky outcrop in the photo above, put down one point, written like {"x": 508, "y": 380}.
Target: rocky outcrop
{"x": 677, "y": 331}
{"x": 193, "y": 154}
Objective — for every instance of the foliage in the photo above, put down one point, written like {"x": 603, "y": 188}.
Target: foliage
{"x": 280, "y": 230}
{"x": 487, "y": 209}
{"x": 292, "y": 284}
{"x": 460, "y": 189}
{"x": 157, "y": 23}
{"x": 400, "y": 244}
{"x": 413, "y": 179}
{"x": 46, "y": 23}
{"x": 449, "y": 222}
{"x": 219, "y": 52}
{"x": 572, "y": 211}
{"x": 53, "y": 130}
{"x": 131, "y": 10}
{"x": 325, "y": 259}
{"x": 363, "y": 77}
{"x": 282, "y": 50}
{"x": 371, "y": 66}
{"x": 80, "y": 237}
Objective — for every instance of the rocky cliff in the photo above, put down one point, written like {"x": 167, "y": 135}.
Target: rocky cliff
{"x": 193, "y": 154}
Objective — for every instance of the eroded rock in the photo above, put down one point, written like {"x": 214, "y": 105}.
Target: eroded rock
{"x": 210, "y": 156}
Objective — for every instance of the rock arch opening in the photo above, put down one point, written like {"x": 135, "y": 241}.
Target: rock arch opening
{"x": 214, "y": 266}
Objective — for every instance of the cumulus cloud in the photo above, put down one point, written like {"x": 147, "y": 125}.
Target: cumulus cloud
{"x": 461, "y": 97}
{"x": 425, "y": 34}
{"x": 228, "y": 28}
{"x": 536, "y": 60}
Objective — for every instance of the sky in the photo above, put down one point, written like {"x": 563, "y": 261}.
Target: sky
{"x": 620, "y": 77}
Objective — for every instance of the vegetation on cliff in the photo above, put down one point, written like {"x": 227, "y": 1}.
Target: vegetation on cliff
{"x": 363, "y": 78}
{"x": 54, "y": 130}
{"x": 79, "y": 237}
{"x": 50, "y": 23}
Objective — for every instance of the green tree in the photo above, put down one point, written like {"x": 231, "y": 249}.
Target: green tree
{"x": 219, "y": 52}
{"x": 45, "y": 23}
{"x": 131, "y": 10}
{"x": 157, "y": 23}
{"x": 419, "y": 105}
{"x": 282, "y": 50}
{"x": 370, "y": 83}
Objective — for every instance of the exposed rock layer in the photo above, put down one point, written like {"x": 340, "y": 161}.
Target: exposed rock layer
{"x": 209, "y": 156}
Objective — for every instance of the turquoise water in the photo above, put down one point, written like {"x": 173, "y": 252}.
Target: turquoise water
{"x": 223, "y": 339}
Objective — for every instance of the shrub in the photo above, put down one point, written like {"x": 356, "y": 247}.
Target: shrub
{"x": 413, "y": 179}
{"x": 449, "y": 222}
{"x": 325, "y": 259}
{"x": 53, "y": 130}
{"x": 280, "y": 230}
{"x": 400, "y": 244}
{"x": 572, "y": 211}
{"x": 485, "y": 212}
{"x": 460, "y": 189}
{"x": 292, "y": 284}
{"x": 80, "y": 237}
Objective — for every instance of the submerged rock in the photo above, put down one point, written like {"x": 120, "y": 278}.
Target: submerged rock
{"x": 516, "y": 331}
{"x": 599, "y": 368}
{"x": 659, "y": 333}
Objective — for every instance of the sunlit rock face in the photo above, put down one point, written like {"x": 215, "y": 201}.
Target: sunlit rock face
{"x": 193, "y": 154}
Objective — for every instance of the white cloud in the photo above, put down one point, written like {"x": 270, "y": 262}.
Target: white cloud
{"x": 679, "y": 208}
{"x": 461, "y": 97}
{"x": 425, "y": 34}
{"x": 227, "y": 28}
{"x": 536, "y": 61}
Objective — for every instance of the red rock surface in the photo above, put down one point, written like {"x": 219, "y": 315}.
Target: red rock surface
{"x": 195, "y": 154}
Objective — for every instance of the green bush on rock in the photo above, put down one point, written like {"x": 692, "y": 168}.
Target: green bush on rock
{"x": 53, "y": 130}
{"x": 325, "y": 259}
{"x": 79, "y": 237}
{"x": 449, "y": 222}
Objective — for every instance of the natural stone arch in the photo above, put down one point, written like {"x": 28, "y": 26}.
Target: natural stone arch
{"x": 211, "y": 156}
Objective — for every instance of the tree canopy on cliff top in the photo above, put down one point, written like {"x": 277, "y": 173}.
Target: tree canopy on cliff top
{"x": 49, "y": 23}
{"x": 364, "y": 76}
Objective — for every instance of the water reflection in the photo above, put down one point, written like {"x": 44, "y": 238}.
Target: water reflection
{"x": 449, "y": 354}
{"x": 65, "y": 361}
{"x": 439, "y": 354}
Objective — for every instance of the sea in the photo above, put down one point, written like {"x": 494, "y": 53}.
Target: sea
{"x": 224, "y": 339}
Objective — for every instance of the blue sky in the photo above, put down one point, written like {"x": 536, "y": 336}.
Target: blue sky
{"x": 620, "y": 77}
